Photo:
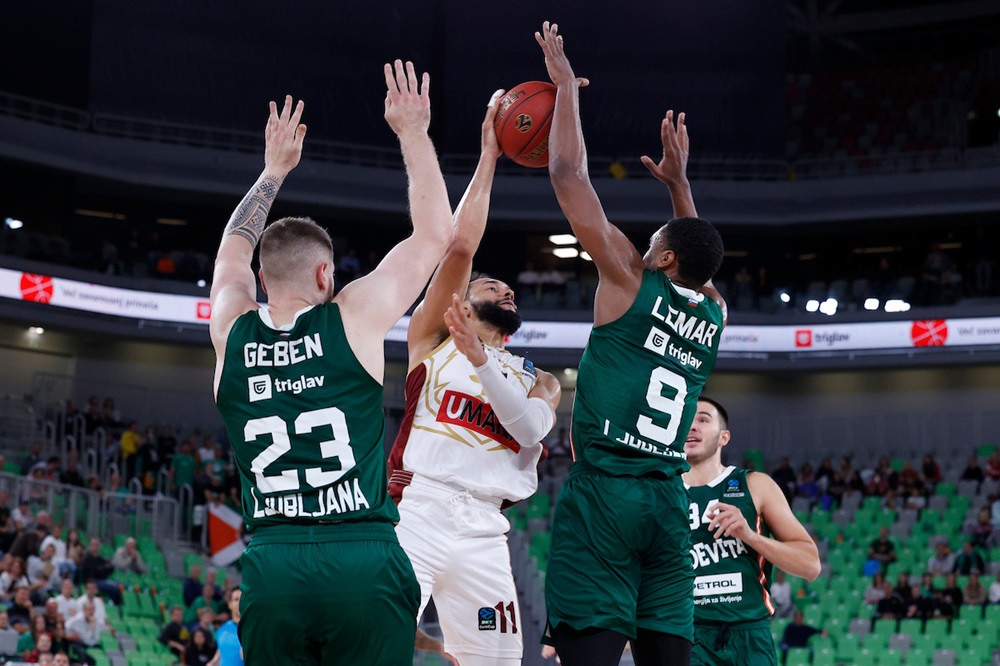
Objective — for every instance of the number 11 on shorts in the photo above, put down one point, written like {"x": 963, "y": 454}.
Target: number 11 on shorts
{"x": 488, "y": 617}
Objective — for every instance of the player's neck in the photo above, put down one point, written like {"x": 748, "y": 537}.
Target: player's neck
{"x": 490, "y": 335}
{"x": 704, "y": 472}
{"x": 283, "y": 308}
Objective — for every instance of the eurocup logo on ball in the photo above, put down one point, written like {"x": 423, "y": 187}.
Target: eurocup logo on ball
{"x": 522, "y": 122}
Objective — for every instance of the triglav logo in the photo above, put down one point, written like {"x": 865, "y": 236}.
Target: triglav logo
{"x": 803, "y": 338}
{"x": 260, "y": 387}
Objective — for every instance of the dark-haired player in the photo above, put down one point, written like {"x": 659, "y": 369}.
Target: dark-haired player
{"x": 470, "y": 439}
{"x": 299, "y": 386}
{"x": 619, "y": 565}
{"x": 740, "y": 524}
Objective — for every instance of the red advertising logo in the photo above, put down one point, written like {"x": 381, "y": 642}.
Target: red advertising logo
{"x": 929, "y": 333}
{"x": 37, "y": 288}
{"x": 204, "y": 310}
{"x": 804, "y": 338}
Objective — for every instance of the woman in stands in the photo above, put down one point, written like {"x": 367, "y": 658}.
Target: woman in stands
{"x": 200, "y": 650}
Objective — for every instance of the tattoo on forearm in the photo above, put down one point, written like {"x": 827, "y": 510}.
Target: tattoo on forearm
{"x": 250, "y": 216}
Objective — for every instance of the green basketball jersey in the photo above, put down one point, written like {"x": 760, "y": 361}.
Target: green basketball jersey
{"x": 305, "y": 421}
{"x": 640, "y": 377}
{"x": 732, "y": 581}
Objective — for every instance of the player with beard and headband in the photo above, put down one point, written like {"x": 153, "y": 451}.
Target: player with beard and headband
{"x": 470, "y": 439}
{"x": 741, "y": 524}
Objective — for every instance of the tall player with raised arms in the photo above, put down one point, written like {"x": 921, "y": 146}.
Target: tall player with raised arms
{"x": 299, "y": 386}
{"x": 620, "y": 564}
{"x": 470, "y": 439}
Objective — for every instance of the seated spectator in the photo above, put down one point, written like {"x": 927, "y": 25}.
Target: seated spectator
{"x": 797, "y": 633}
{"x": 903, "y": 587}
{"x": 931, "y": 471}
{"x": 128, "y": 558}
{"x": 916, "y": 499}
{"x": 51, "y": 614}
{"x": 972, "y": 471}
{"x": 84, "y": 631}
{"x": 99, "y": 569}
{"x": 824, "y": 474}
{"x": 28, "y": 640}
{"x": 942, "y": 562}
{"x": 175, "y": 635}
{"x": 200, "y": 650}
{"x": 211, "y": 578}
{"x": 784, "y": 476}
{"x": 994, "y": 594}
{"x": 882, "y": 549}
{"x": 62, "y": 659}
{"x": 876, "y": 590}
{"x": 982, "y": 529}
{"x": 7, "y": 633}
{"x": 993, "y": 466}
{"x": 205, "y": 600}
{"x": 54, "y": 539}
{"x": 891, "y": 605}
{"x": 920, "y": 605}
{"x": 75, "y": 550}
{"x": 21, "y": 610}
{"x": 70, "y": 475}
{"x": 43, "y": 571}
{"x": 29, "y": 541}
{"x": 22, "y": 516}
{"x": 968, "y": 561}
{"x": 67, "y": 605}
{"x": 781, "y": 595}
{"x": 974, "y": 592}
{"x": 952, "y": 594}
{"x": 909, "y": 479}
{"x": 192, "y": 585}
{"x": 12, "y": 579}
{"x": 807, "y": 482}
{"x": 59, "y": 641}
{"x": 927, "y": 583}
{"x": 90, "y": 596}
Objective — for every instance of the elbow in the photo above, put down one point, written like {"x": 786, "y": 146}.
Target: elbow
{"x": 563, "y": 172}
{"x": 814, "y": 570}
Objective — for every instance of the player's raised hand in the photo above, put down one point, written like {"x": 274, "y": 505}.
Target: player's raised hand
{"x": 672, "y": 167}
{"x": 490, "y": 146}
{"x": 283, "y": 137}
{"x": 729, "y": 521}
{"x": 460, "y": 326}
{"x": 556, "y": 62}
{"x": 407, "y": 102}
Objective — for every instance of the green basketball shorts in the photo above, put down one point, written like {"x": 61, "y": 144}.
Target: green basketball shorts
{"x": 743, "y": 644}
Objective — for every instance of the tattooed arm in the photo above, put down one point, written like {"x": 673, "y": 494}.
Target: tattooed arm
{"x": 234, "y": 287}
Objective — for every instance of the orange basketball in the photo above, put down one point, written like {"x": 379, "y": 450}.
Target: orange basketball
{"x": 523, "y": 121}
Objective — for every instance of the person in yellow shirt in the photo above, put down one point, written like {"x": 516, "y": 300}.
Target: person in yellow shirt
{"x": 131, "y": 441}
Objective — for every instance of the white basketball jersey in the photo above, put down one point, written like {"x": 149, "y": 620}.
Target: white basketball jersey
{"x": 451, "y": 435}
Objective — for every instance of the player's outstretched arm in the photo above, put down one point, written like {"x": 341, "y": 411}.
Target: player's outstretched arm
{"x": 528, "y": 418}
{"x": 618, "y": 262}
{"x": 791, "y": 549}
{"x": 234, "y": 288}
{"x": 671, "y": 170}
{"x": 384, "y": 295}
{"x": 427, "y": 327}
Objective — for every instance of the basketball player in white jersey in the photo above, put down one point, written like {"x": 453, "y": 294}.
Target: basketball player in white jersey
{"x": 470, "y": 439}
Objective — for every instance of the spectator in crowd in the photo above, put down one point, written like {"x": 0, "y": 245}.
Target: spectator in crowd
{"x": 205, "y": 600}
{"x": 166, "y": 445}
{"x": 882, "y": 549}
{"x": 876, "y": 590}
{"x": 993, "y": 466}
{"x": 981, "y": 529}
{"x": 59, "y": 557}
{"x": 32, "y": 457}
{"x": 193, "y": 584}
{"x": 128, "y": 558}
{"x": 972, "y": 471}
{"x": 212, "y": 578}
{"x": 112, "y": 418}
{"x": 12, "y": 578}
{"x": 974, "y": 592}
{"x": 920, "y": 605}
{"x": 22, "y": 516}
{"x": 892, "y": 604}
{"x": 952, "y": 594}
{"x": 784, "y": 476}
{"x": 931, "y": 471}
{"x": 916, "y": 499}
{"x": 7, "y": 633}
{"x": 883, "y": 479}
{"x": 29, "y": 541}
{"x": 806, "y": 482}
{"x": 61, "y": 659}
{"x": 903, "y": 587}
{"x": 21, "y": 609}
{"x": 8, "y": 530}
{"x": 797, "y": 633}
{"x": 59, "y": 641}
{"x": 200, "y": 650}
{"x": 75, "y": 550}
{"x": 781, "y": 595}
{"x": 993, "y": 596}
{"x": 44, "y": 573}
{"x": 90, "y": 596}
{"x": 836, "y": 489}
{"x": 26, "y": 643}
{"x": 206, "y": 452}
{"x": 70, "y": 475}
{"x": 175, "y": 635}
{"x": 968, "y": 561}
{"x": 942, "y": 562}
{"x": 183, "y": 468}
{"x": 229, "y": 652}
{"x": 207, "y": 620}
{"x": 909, "y": 479}
{"x": 348, "y": 268}
{"x": 98, "y": 570}
{"x": 824, "y": 475}
{"x": 84, "y": 630}
{"x": 67, "y": 605}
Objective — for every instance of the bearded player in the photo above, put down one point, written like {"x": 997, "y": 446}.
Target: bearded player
{"x": 741, "y": 524}
{"x": 470, "y": 439}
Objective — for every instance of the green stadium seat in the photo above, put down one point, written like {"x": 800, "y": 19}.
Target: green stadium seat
{"x": 824, "y": 657}
{"x": 938, "y": 629}
{"x": 884, "y": 627}
{"x": 946, "y": 488}
{"x": 919, "y": 657}
{"x": 984, "y": 450}
{"x": 926, "y": 643}
{"x": 798, "y": 657}
{"x": 970, "y": 658}
{"x": 911, "y": 626}
{"x": 890, "y": 658}
{"x": 848, "y": 648}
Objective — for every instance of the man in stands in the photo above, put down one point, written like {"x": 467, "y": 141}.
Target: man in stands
{"x": 98, "y": 569}
{"x": 128, "y": 558}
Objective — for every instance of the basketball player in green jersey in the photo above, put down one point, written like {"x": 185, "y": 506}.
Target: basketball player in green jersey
{"x": 741, "y": 524}
{"x": 299, "y": 386}
{"x": 620, "y": 565}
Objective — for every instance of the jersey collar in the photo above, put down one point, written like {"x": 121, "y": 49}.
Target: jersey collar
{"x": 687, "y": 293}
{"x": 265, "y": 316}
{"x": 717, "y": 480}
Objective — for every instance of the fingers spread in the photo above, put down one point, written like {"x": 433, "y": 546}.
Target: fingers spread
{"x": 298, "y": 113}
{"x": 287, "y": 108}
{"x": 400, "y": 76}
{"x": 411, "y": 78}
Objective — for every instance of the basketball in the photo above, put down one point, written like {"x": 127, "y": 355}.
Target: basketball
{"x": 523, "y": 121}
